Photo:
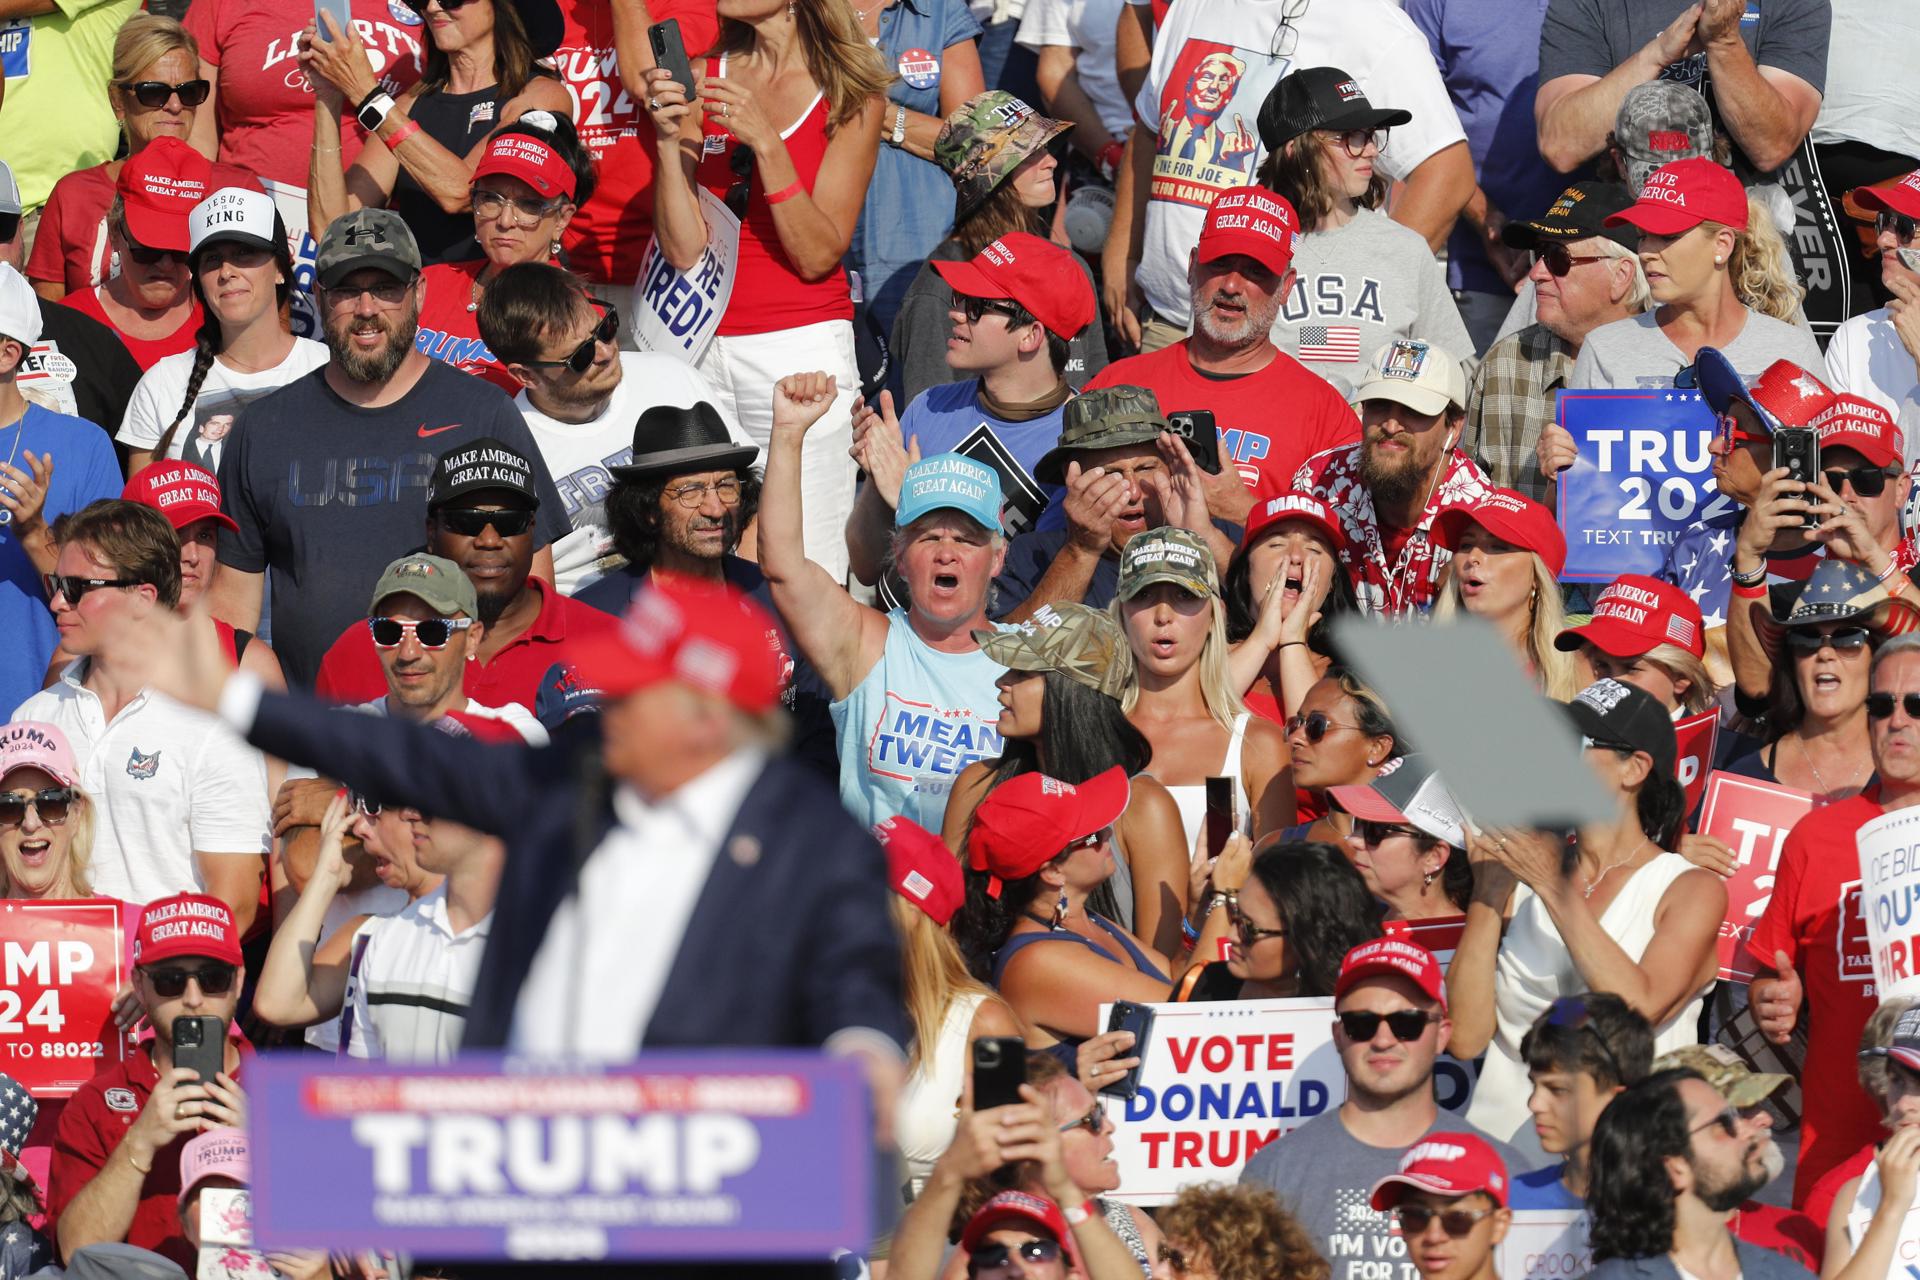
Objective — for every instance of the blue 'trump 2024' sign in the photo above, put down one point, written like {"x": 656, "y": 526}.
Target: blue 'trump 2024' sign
{"x": 1643, "y": 475}
{"x": 740, "y": 1156}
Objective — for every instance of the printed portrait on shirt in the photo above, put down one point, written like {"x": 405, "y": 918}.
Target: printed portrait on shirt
{"x": 1208, "y": 142}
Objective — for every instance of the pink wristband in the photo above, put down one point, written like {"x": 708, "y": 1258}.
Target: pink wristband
{"x": 786, "y": 193}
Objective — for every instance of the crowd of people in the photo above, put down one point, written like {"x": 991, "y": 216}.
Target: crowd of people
{"x": 888, "y": 492}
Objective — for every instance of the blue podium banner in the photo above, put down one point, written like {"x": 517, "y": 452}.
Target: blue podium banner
{"x": 1644, "y": 474}
{"x": 681, "y": 1156}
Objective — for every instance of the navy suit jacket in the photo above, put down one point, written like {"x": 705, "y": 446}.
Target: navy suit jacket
{"x": 790, "y": 939}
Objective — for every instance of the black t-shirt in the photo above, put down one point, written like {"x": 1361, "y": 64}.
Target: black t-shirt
{"x": 98, "y": 371}
{"x": 327, "y": 494}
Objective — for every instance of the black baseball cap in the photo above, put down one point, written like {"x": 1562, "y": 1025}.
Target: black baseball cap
{"x": 1578, "y": 212}
{"x": 483, "y": 464}
{"x": 1320, "y": 98}
{"x": 1616, "y": 714}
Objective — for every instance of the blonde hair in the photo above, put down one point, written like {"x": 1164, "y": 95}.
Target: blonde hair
{"x": 935, "y": 975}
{"x": 144, "y": 39}
{"x": 844, "y": 64}
{"x": 79, "y": 849}
{"x": 1216, "y": 686}
{"x": 1680, "y": 664}
{"x": 1553, "y": 670}
{"x": 1759, "y": 268}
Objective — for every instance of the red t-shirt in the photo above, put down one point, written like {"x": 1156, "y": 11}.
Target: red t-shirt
{"x": 1785, "y": 1231}
{"x": 350, "y": 671}
{"x": 265, "y": 101}
{"x": 1815, "y": 916}
{"x": 608, "y": 235}
{"x": 1819, "y": 1203}
{"x": 70, "y": 248}
{"x": 95, "y": 1120}
{"x": 768, "y": 294}
{"x": 449, "y": 332}
{"x": 146, "y": 352}
{"x": 1265, "y": 446}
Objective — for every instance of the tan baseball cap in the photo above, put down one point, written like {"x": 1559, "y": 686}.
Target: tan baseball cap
{"x": 1417, "y": 374}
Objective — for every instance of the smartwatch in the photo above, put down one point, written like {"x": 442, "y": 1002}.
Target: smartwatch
{"x": 373, "y": 112}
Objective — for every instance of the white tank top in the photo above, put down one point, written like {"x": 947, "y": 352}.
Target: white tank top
{"x": 1865, "y": 1201}
{"x": 1192, "y": 798}
{"x": 926, "y": 1118}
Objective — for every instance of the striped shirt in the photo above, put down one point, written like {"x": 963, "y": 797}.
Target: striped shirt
{"x": 1510, "y": 399}
{"x": 412, "y": 979}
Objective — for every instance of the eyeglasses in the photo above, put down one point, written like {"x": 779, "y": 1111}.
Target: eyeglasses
{"x": 388, "y": 293}
{"x": 740, "y": 165}
{"x": 1355, "y": 140}
{"x": 214, "y": 980}
{"x": 153, "y": 94}
{"x": 974, "y": 308}
{"x": 694, "y": 496}
{"x": 75, "y": 588}
{"x": 1094, "y": 1121}
{"x": 580, "y": 359}
{"x": 1414, "y": 1219}
{"x": 1244, "y": 930}
{"x": 1900, "y": 224}
{"x": 1091, "y": 841}
{"x": 1880, "y": 705}
{"x": 527, "y": 211}
{"x": 1374, "y": 834}
{"x": 1572, "y": 1014}
{"x": 446, "y": 6}
{"x": 1407, "y": 1025}
{"x": 996, "y": 1258}
{"x": 52, "y": 805}
{"x": 1842, "y": 639}
{"x": 471, "y": 522}
{"x": 1559, "y": 261}
{"x": 1727, "y": 1118}
{"x": 1868, "y": 482}
{"x": 1317, "y": 725}
{"x": 1728, "y": 428}
{"x": 1602, "y": 744}
{"x": 148, "y": 256}
{"x": 432, "y": 633}
{"x": 1286, "y": 36}
{"x": 1175, "y": 1258}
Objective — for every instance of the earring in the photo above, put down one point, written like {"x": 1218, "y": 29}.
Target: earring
{"x": 1060, "y": 910}
{"x": 1426, "y": 881}
{"x": 553, "y": 250}
{"x": 1719, "y": 261}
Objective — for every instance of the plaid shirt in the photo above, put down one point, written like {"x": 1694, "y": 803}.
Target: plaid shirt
{"x": 1510, "y": 400}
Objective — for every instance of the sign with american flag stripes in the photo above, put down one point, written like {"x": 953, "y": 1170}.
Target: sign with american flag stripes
{"x": 1329, "y": 342}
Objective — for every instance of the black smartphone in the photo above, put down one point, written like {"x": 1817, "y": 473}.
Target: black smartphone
{"x": 670, "y": 52}
{"x": 999, "y": 1069}
{"x": 1798, "y": 450}
{"x": 199, "y": 1042}
{"x": 1137, "y": 1018}
{"x": 1202, "y": 434}
{"x": 1220, "y": 814}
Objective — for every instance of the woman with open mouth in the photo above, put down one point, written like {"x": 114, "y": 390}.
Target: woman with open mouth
{"x": 1283, "y": 588}
{"x": 1507, "y": 557}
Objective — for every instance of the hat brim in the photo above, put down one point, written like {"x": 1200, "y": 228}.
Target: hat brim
{"x": 1906, "y": 1057}
{"x": 704, "y": 457}
{"x": 969, "y": 281}
{"x": 154, "y": 230}
{"x": 246, "y": 238}
{"x": 338, "y": 271}
{"x": 1364, "y": 802}
{"x": 1873, "y": 616}
{"x": 1656, "y": 218}
{"x": 1105, "y": 797}
{"x": 1531, "y": 235}
{"x": 1610, "y": 636}
{"x": 1721, "y": 386}
{"x": 605, "y": 661}
{"x": 1897, "y": 198}
{"x": 1449, "y": 525}
{"x": 1756, "y": 1087}
{"x": 1420, "y": 399}
{"x": 1371, "y": 118}
{"x": 1388, "y": 1191}
{"x": 1134, "y": 586}
{"x": 1334, "y": 535}
{"x": 965, "y": 207}
{"x": 216, "y": 515}
{"x": 1052, "y": 467}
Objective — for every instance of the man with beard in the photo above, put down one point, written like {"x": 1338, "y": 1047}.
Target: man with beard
{"x": 327, "y": 477}
{"x": 1673, "y": 1161}
{"x": 1405, "y": 471}
{"x": 482, "y": 505}
{"x": 1229, "y": 367}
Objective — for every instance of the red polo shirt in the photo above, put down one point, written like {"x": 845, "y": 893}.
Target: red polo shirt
{"x": 92, "y": 1126}
{"x": 350, "y": 671}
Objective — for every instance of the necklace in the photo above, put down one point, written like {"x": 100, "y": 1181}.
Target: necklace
{"x": 1819, "y": 781}
{"x": 1595, "y": 882}
{"x": 473, "y": 296}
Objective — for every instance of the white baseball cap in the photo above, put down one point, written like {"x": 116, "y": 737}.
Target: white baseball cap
{"x": 1417, "y": 374}
{"x": 9, "y": 192}
{"x": 236, "y": 214}
{"x": 19, "y": 307}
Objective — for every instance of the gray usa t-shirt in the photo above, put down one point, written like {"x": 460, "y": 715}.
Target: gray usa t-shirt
{"x": 1635, "y": 353}
{"x": 1324, "y": 1177}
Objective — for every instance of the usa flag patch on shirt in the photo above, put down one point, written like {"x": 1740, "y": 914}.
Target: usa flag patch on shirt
{"x": 1329, "y": 342}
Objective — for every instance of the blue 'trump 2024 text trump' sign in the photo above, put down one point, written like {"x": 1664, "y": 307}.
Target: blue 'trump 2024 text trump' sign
{"x": 1643, "y": 475}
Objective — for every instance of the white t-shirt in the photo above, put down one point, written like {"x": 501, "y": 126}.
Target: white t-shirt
{"x": 579, "y": 454}
{"x": 515, "y": 716}
{"x": 1087, "y": 27}
{"x": 1206, "y": 123}
{"x": 1872, "y": 95}
{"x": 1867, "y": 359}
{"x": 165, "y": 781}
{"x": 223, "y": 394}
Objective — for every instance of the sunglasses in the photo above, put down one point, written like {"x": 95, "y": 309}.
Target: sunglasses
{"x": 1727, "y": 1118}
{"x": 1728, "y": 428}
{"x": 1559, "y": 261}
{"x": 1900, "y": 224}
{"x": 363, "y": 804}
{"x": 1414, "y": 1219}
{"x": 1407, "y": 1025}
{"x": 1244, "y": 929}
{"x": 740, "y": 164}
{"x": 153, "y": 94}
{"x": 214, "y": 980}
{"x": 432, "y": 633}
{"x": 388, "y": 293}
{"x": 1868, "y": 482}
{"x": 52, "y": 805}
{"x": 974, "y": 308}
{"x": 580, "y": 359}
{"x": 1316, "y": 724}
{"x": 471, "y": 522}
{"x": 147, "y": 256}
{"x": 1374, "y": 834}
{"x": 1094, "y": 1121}
{"x": 1843, "y": 640}
{"x": 1880, "y": 705}
{"x": 446, "y": 6}
{"x": 995, "y": 1258}
{"x": 75, "y": 588}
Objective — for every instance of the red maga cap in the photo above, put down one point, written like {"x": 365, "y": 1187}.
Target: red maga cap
{"x": 1294, "y": 506}
{"x": 1252, "y": 221}
{"x": 708, "y": 637}
{"x": 1024, "y": 823}
{"x": 1510, "y": 517}
{"x": 187, "y": 924}
{"x": 1396, "y": 958}
{"x": 1902, "y": 196}
{"x": 1018, "y": 1209}
{"x": 1684, "y": 194}
{"x": 519, "y": 155}
{"x": 1864, "y": 427}
{"x": 1637, "y": 613}
{"x": 921, "y": 868}
{"x": 180, "y": 491}
{"x": 1036, "y": 273}
{"x": 159, "y": 185}
{"x": 1446, "y": 1164}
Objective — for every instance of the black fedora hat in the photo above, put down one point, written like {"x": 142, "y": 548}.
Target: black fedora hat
{"x": 668, "y": 440}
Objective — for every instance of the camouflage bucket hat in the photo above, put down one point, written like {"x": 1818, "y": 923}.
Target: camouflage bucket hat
{"x": 1167, "y": 554}
{"x": 985, "y": 140}
{"x": 1080, "y": 643}
{"x": 1722, "y": 1068}
{"x": 1102, "y": 419}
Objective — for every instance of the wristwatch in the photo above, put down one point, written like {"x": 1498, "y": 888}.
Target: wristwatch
{"x": 373, "y": 112}
{"x": 899, "y": 134}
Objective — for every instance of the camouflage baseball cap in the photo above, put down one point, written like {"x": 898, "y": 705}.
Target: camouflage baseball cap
{"x": 1080, "y": 643}
{"x": 1167, "y": 554}
{"x": 1102, "y": 419}
{"x": 1660, "y": 122}
{"x": 378, "y": 238}
{"x": 985, "y": 140}
{"x": 1724, "y": 1069}
{"x": 437, "y": 582}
